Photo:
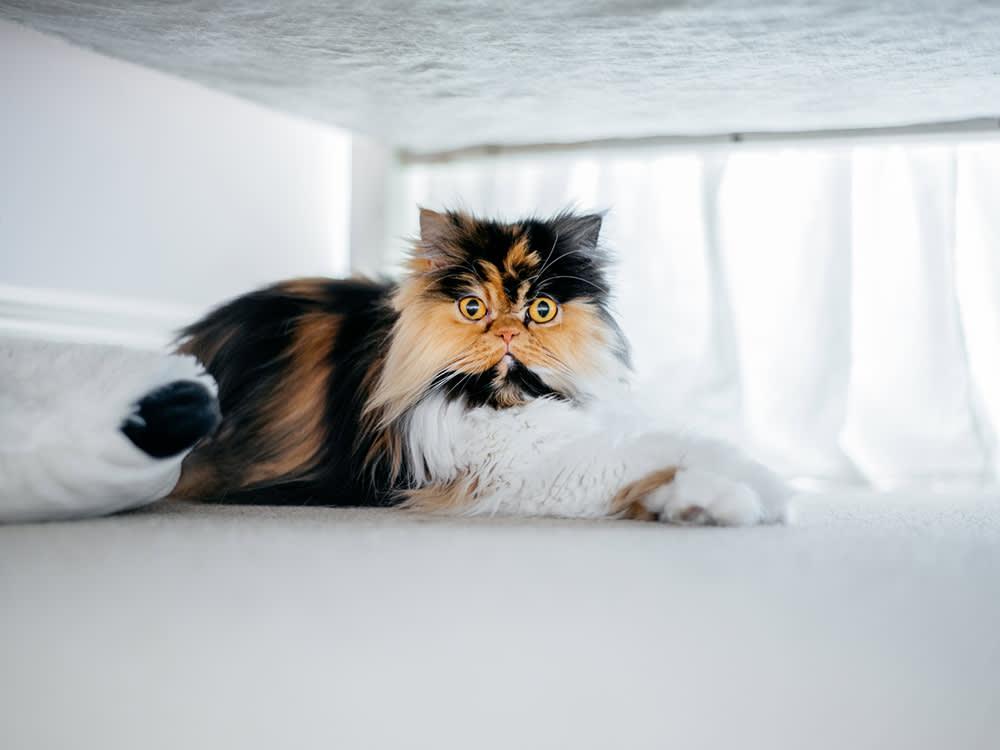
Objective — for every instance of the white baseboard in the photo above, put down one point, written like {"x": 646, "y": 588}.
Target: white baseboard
{"x": 65, "y": 315}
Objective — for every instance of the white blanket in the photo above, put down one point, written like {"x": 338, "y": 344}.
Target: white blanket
{"x": 62, "y": 452}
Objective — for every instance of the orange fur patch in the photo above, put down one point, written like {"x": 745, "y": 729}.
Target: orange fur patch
{"x": 442, "y": 498}
{"x": 628, "y": 503}
{"x": 309, "y": 287}
{"x": 206, "y": 348}
{"x": 293, "y": 422}
{"x": 199, "y": 479}
{"x": 493, "y": 286}
{"x": 428, "y": 337}
{"x": 520, "y": 258}
{"x": 388, "y": 445}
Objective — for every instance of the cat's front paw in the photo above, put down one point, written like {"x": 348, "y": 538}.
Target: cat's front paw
{"x": 701, "y": 498}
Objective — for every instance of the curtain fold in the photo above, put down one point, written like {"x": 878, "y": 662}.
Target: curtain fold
{"x": 785, "y": 220}
{"x": 836, "y": 309}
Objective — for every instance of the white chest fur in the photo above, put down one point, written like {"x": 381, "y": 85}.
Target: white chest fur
{"x": 555, "y": 458}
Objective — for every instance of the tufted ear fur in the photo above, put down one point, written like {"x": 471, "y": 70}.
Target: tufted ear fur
{"x": 580, "y": 231}
{"x": 435, "y": 227}
{"x": 437, "y": 235}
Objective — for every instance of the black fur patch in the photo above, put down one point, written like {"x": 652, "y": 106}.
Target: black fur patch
{"x": 481, "y": 389}
{"x": 530, "y": 384}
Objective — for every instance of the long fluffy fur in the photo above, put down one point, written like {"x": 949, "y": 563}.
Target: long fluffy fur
{"x": 356, "y": 392}
{"x": 318, "y": 377}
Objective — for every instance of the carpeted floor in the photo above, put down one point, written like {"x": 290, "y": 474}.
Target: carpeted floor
{"x": 874, "y": 621}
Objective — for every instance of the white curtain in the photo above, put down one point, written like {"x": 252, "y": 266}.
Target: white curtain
{"x": 835, "y": 308}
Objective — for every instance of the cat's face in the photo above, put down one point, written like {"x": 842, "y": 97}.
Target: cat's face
{"x": 504, "y": 312}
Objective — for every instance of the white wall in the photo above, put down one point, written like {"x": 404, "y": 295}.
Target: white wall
{"x": 131, "y": 200}
{"x": 374, "y": 168}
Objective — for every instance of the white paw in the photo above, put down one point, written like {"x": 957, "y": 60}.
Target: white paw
{"x": 700, "y": 498}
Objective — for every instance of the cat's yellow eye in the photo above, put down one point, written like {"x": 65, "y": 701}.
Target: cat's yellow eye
{"x": 542, "y": 309}
{"x": 472, "y": 308}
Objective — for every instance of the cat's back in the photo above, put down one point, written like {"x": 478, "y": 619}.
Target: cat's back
{"x": 290, "y": 360}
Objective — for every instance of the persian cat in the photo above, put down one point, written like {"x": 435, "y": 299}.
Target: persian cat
{"x": 489, "y": 379}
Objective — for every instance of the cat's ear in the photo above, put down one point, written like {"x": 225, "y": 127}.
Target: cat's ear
{"x": 435, "y": 227}
{"x": 580, "y": 231}
{"x": 436, "y": 246}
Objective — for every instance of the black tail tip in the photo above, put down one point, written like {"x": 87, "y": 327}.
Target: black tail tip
{"x": 172, "y": 418}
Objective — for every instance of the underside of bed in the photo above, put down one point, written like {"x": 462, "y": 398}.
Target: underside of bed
{"x": 437, "y": 75}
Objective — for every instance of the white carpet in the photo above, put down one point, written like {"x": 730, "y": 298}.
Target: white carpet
{"x": 437, "y": 74}
{"x": 872, "y": 623}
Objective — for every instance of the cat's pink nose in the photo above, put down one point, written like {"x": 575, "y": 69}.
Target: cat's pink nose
{"x": 507, "y": 334}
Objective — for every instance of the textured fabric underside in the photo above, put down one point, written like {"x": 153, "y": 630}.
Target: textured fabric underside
{"x": 434, "y": 75}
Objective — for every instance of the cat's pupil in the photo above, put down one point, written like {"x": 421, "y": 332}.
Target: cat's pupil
{"x": 543, "y": 309}
{"x": 472, "y": 307}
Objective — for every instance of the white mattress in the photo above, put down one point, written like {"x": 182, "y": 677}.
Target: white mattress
{"x": 872, "y": 623}
{"x": 439, "y": 74}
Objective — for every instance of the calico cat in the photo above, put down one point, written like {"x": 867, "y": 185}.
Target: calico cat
{"x": 479, "y": 383}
